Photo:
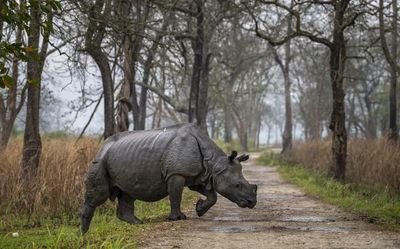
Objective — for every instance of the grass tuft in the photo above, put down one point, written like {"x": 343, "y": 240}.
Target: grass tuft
{"x": 106, "y": 231}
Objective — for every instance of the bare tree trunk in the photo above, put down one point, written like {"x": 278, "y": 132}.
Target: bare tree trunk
{"x": 350, "y": 113}
{"x": 241, "y": 129}
{"x": 93, "y": 40}
{"x": 159, "y": 109}
{"x": 287, "y": 136}
{"x": 108, "y": 89}
{"x": 244, "y": 142}
{"x": 202, "y": 105}
{"x": 393, "y": 128}
{"x": 243, "y": 137}
{"x": 371, "y": 123}
{"x": 337, "y": 124}
{"x": 227, "y": 122}
{"x": 197, "y": 47}
{"x": 317, "y": 123}
{"x": 391, "y": 58}
{"x": 10, "y": 110}
{"x": 124, "y": 105}
{"x": 212, "y": 126}
{"x": 228, "y": 111}
{"x": 146, "y": 74}
{"x": 257, "y": 136}
{"x": 32, "y": 142}
{"x": 143, "y": 93}
{"x": 133, "y": 55}
{"x": 132, "y": 42}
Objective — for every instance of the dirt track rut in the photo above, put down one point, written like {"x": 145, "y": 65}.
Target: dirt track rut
{"x": 283, "y": 218}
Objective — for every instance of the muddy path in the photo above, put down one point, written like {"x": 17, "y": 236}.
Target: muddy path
{"x": 283, "y": 218}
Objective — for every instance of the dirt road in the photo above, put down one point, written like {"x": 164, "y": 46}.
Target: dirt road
{"x": 283, "y": 218}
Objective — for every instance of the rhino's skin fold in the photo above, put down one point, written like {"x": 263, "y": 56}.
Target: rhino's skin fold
{"x": 150, "y": 165}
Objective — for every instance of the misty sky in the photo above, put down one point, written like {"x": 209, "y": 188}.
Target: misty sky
{"x": 66, "y": 87}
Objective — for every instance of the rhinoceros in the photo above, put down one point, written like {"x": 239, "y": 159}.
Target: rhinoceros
{"x": 150, "y": 165}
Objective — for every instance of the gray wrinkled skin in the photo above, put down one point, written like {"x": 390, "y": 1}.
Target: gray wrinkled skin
{"x": 150, "y": 165}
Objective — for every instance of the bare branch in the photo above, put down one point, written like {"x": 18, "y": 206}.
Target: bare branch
{"x": 22, "y": 99}
{"x": 298, "y": 32}
{"x": 384, "y": 44}
{"x": 90, "y": 118}
{"x": 166, "y": 98}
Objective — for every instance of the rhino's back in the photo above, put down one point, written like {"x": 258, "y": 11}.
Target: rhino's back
{"x": 134, "y": 162}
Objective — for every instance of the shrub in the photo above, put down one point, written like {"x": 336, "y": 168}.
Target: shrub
{"x": 371, "y": 164}
{"x": 60, "y": 180}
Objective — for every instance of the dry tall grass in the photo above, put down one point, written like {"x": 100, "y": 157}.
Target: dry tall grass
{"x": 374, "y": 164}
{"x": 60, "y": 180}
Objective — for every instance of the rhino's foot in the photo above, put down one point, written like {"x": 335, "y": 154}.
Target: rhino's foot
{"x": 201, "y": 209}
{"x": 130, "y": 219}
{"x": 177, "y": 216}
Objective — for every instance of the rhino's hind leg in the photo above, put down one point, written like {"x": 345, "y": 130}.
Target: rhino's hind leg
{"x": 125, "y": 209}
{"x": 176, "y": 184}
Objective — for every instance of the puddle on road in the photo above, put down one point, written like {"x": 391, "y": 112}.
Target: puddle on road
{"x": 233, "y": 229}
{"x": 305, "y": 218}
{"x": 319, "y": 229}
{"x": 252, "y": 218}
{"x": 224, "y": 218}
{"x": 260, "y": 183}
{"x": 283, "y": 208}
{"x": 252, "y": 229}
{"x": 281, "y": 197}
{"x": 326, "y": 229}
{"x": 233, "y": 216}
{"x": 311, "y": 229}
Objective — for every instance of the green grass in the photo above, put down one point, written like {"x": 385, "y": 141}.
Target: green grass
{"x": 106, "y": 231}
{"x": 378, "y": 208}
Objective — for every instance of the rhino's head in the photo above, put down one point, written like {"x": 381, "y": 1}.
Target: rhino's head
{"x": 230, "y": 182}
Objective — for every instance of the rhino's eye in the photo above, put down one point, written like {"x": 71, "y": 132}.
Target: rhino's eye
{"x": 237, "y": 185}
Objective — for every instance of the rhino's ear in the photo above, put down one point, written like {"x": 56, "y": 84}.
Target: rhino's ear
{"x": 243, "y": 158}
{"x": 233, "y": 155}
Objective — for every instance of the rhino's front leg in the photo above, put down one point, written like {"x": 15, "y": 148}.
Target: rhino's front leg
{"x": 202, "y": 206}
{"x": 176, "y": 184}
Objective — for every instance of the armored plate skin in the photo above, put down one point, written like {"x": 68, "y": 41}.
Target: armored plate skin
{"x": 140, "y": 163}
{"x": 150, "y": 165}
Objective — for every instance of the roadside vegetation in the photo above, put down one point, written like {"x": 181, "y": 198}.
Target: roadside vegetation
{"x": 52, "y": 221}
{"x": 372, "y": 164}
{"x": 367, "y": 194}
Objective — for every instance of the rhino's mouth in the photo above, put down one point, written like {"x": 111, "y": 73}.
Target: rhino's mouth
{"x": 246, "y": 203}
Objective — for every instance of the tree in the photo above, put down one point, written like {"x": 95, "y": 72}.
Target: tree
{"x": 342, "y": 18}
{"x": 14, "y": 15}
{"x": 391, "y": 58}
{"x": 287, "y": 136}
{"x": 207, "y": 16}
{"x": 97, "y": 15}
{"x": 37, "y": 56}
{"x": 10, "y": 104}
